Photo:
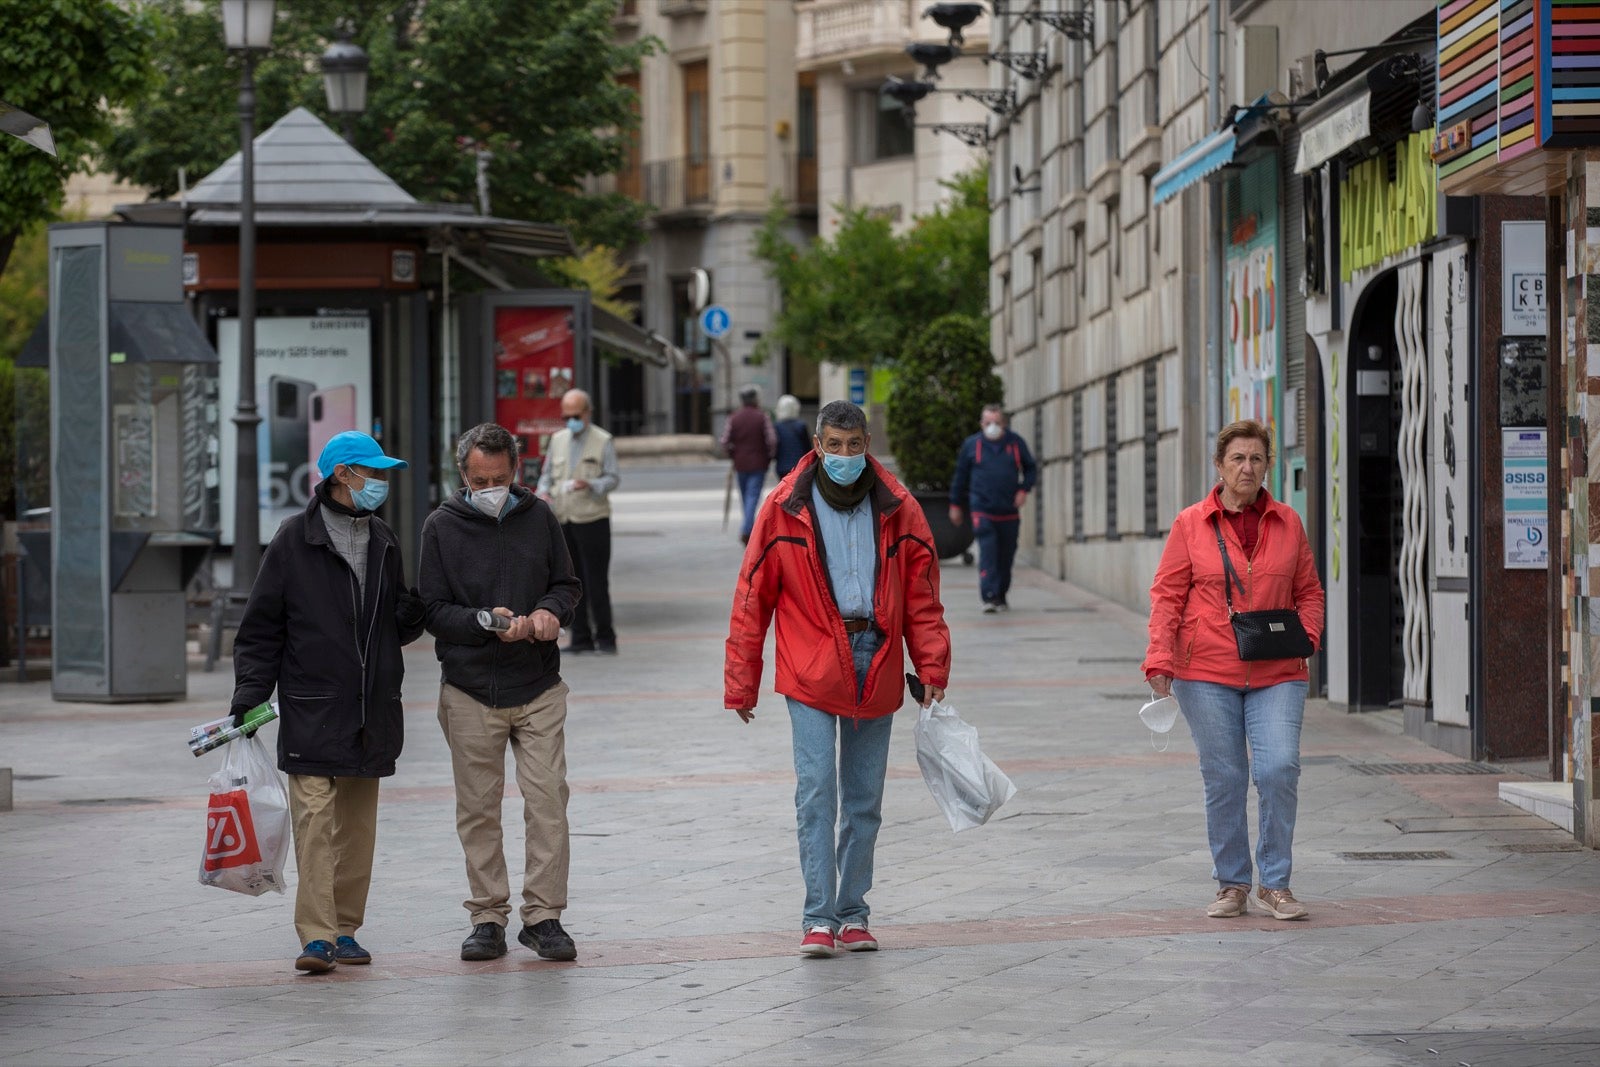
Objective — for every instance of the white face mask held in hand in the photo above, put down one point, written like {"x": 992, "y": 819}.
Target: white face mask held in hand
{"x": 1160, "y": 715}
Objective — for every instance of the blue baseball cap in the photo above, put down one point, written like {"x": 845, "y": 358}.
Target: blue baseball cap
{"x": 355, "y": 449}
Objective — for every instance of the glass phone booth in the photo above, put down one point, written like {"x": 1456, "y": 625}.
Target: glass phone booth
{"x": 133, "y": 461}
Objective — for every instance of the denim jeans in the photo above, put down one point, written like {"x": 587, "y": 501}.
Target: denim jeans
{"x": 1245, "y": 735}
{"x": 839, "y": 768}
{"x": 997, "y": 548}
{"x": 750, "y": 493}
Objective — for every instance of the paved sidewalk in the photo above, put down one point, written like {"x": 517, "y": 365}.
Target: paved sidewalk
{"x": 1069, "y": 930}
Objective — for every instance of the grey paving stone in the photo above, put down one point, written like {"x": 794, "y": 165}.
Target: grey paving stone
{"x": 685, "y": 829}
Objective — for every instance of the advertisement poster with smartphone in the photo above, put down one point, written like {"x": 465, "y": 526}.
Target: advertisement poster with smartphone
{"x": 313, "y": 380}
{"x": 533, "y": 366}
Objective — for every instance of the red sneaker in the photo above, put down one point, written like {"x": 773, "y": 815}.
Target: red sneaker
{"x": 818, "y": 942}
{"x": 853, "y": 937}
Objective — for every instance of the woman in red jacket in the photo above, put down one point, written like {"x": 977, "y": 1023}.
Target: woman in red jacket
{"x": 1245, "y": 716}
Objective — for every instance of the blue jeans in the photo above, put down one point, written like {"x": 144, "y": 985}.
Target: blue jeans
{"x": 1224, "y": 721}
{"x": 997, "y": 548}
{"x": 839, "y": 768}
{"x": 750, "y": 493}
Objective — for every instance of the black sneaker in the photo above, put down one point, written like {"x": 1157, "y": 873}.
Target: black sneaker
{"x": 606, "y": 647}
{"x": 549, "y": 940}
{"x": 486, "y": 942}
{"x": 316, "y": 958}
{"x": 579, "y": 646}
{"x": 346, "y": 950}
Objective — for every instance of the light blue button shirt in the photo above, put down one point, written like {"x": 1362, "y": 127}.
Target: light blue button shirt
{"x": 852, "y": 551}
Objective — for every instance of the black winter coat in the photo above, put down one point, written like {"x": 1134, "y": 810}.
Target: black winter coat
{"x": 470, "y": 563}
{"x": 337, "y": 666}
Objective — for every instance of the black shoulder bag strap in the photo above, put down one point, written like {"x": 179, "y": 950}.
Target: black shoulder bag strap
{"x": 1230, "y": 577}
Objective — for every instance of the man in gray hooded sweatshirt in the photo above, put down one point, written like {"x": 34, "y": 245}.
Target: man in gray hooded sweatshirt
{"x": 495, "y": 548}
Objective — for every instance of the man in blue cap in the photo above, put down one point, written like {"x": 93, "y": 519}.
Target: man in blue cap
{"x": 324, "y": 625}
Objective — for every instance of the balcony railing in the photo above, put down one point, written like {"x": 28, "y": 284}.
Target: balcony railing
{"x": 828, "y": 29}
{"x": 686, "y": 184}
{"x": 681, "y": 186}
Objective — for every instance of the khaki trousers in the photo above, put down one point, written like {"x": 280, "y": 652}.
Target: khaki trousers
{"x": 478, "y": 735}
{"x": 335, "y": 826}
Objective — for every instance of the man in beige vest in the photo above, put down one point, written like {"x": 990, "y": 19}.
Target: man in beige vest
{"x": 580, "y": 472}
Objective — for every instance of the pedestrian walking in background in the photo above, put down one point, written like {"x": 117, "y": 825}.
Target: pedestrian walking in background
{"x": 496, "y": 547}
{"x": 750, "y": 441}
{"x": 994, "y": 474}
{"x": 794, "y": 436}
{"x": 580, "y": 473}
{"x": 844, "y": 559}
{"x": 326, "y": 618}
{"x": 1245, "y": 716}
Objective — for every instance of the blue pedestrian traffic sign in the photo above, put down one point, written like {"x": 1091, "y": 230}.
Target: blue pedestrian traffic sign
{"x": 715, "y": 321}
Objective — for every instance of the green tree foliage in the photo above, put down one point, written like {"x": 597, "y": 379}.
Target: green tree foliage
{"x": 599, "y": 270}
{"x": 856, "y": 298}
{"x": 24, "y": 391}
{"x": 534, "y": 84}
{"x": 942, "y": 381}
{"x": 65, "y": 61}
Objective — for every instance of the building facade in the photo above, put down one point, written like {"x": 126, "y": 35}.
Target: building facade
{"x": 1096, "y": 295}
{"x": 870, "y": 153}
{"x": 724, "y": 126}
{"x": 1251, "y": 209}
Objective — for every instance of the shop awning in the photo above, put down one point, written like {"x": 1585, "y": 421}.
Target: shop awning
{"x": 1376, "y": 101}
{"x": 626, "y": 339}
{"x": 1343, "y": 126}
{"x": 1200, "y": 159}
{"x": 137, "y": 333}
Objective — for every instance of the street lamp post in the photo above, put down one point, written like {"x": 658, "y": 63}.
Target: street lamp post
{"x": 247, "y": 29}
{"x": 344, "y": 79}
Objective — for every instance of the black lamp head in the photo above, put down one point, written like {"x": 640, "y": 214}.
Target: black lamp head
{"x": 1421, "y": 117}
{"x": 931, "y": 56}
{"x": 954, "y": 17}
{"x": 906, "y": 92}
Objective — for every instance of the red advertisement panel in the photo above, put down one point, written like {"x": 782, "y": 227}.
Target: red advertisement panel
{"x": 533, "y": 366}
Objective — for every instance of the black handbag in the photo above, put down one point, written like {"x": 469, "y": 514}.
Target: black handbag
{"x": 1274, "y": 634}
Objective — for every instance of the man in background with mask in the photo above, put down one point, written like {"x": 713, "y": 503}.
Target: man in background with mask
{"x": 495, "y": 549}
{"x": 326, "y": 618}
{"x": 845, "y": 560}
{"x": 579, "y": 475}
{"x": 994, "y": 474}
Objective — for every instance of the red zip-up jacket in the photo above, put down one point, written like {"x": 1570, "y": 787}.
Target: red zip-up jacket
{"x": 1190, "y": 636}
{"x": 784, "y": 574}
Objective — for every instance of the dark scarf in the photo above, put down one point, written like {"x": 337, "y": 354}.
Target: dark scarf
{"x": 845, "y": 497}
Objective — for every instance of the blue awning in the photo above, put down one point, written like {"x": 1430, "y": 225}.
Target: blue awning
{"x": 1195, "y": 162}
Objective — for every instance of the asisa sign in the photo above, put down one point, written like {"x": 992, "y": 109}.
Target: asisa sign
{"x": 1380, "y": 216}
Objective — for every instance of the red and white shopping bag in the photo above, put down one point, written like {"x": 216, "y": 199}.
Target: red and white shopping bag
{"x": 247, "y": 823}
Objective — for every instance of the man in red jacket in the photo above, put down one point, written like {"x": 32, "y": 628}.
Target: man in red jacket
{"x": 842, "y": 555}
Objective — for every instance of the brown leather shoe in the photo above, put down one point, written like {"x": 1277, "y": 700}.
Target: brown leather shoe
{"x": 1281, "y": 903}
{"x": 1230, "y": 902}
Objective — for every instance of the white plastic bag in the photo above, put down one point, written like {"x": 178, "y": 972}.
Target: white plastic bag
{"x": 247, "y": 823}
{"x": 967, "y": 785}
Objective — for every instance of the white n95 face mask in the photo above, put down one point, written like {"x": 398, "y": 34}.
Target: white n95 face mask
{"x": 1160, "y": 715}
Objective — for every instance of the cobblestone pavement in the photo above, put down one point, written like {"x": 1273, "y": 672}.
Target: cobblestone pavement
{"x": 1069, "y": 930}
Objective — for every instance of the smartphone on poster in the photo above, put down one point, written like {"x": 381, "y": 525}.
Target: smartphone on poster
{"x": 332, "y": 412}
{"x": 287, "y": 402}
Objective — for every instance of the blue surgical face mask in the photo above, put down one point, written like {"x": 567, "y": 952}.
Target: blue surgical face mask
{"x": 370, "y": 496}
{"x": 843, "y": 470}
{"x": 575, "y": 425}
